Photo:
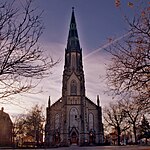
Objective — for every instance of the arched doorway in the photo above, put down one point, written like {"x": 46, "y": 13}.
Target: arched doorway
{"x": 56, "y": 138}
{"x": 91, "y": 138}
{"x": 74, "y": 138}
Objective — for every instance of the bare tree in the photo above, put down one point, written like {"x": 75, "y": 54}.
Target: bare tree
{"x": 130, "y": 68}
{"x": 35, "y": 124}
{"x": 21, "y": 58}
{"x": 144, "y": 129}
{"x": 19, "y": 130}
{"x": 29, "y": 128}
{"x": 134, "y": 111}
{"x": 114, "y": 116}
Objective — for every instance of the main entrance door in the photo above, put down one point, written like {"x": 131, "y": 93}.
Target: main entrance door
{"x": 74, "y": 139}
{"x": 91, "y": 138}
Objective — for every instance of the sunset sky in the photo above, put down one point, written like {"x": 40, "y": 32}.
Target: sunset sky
{"x": 97, "y": 21}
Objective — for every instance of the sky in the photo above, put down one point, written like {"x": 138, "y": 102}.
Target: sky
{"x": 97, "y": 21}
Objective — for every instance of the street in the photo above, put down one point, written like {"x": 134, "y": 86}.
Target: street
{"x": 98, "y": 148}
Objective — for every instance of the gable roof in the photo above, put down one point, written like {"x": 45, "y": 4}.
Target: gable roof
{"x": 91, "y": 102}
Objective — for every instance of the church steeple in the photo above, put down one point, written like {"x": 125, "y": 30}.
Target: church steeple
{"x": 73, "y": 52}
{"x": 73, "y": 40}
{"x": 73, "y": 75}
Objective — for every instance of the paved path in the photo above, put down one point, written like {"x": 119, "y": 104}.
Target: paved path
{"x": 96, "y": 148}
{"x": 106, "y": 148}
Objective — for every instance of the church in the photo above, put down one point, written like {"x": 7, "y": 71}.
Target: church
{"x": 73, "y": 119}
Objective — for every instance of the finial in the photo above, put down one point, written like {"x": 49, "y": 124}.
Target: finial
{"x": 98, "y": 101}
{"x": 2, "y": 109}
{"x": 49, "y": 102}
{"x": 72, "y": 8}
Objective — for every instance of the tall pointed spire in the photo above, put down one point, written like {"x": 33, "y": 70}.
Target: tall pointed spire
{"x": 73, "y": 62}
{"x": 73, "y": 40}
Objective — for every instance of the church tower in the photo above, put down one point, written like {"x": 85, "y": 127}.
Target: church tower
{"x": 73, "y": 119}
{"x": 73, "y": 90}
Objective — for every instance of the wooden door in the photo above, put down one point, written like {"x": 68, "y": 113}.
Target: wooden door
{"x": 74, "y": 139}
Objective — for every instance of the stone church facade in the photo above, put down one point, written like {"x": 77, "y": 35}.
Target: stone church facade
{"x": 73, "y": 119}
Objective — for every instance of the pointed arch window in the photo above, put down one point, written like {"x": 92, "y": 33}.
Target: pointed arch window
{"x": 57, "y": 121}
{"x": 91, "y": 121}
{"x": 73, "y": 88}
{"x": 74, "y": 117}
{"x": 73, "y": 61}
